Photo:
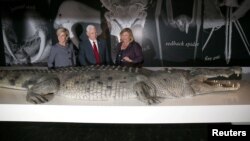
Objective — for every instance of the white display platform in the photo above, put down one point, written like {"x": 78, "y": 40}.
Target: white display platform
{"x": 221, "y": 107}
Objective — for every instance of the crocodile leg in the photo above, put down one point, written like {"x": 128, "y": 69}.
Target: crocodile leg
{"x": 42, "y": 90}
{"x": 146, "y": 93}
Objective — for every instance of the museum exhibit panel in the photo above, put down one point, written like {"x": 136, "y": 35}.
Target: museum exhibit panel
{"x": 196, "y": 62}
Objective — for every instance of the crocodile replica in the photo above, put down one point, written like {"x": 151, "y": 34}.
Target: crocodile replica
{"x": 116, "y": 82}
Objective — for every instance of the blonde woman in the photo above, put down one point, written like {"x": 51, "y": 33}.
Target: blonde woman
{"x": 62, "y": 53}
{"x": 129, "y": 51}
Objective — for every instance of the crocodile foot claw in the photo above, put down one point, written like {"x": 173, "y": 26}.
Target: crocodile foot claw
{"x": 153, "y": 100}
{"x": 37, "y": 98}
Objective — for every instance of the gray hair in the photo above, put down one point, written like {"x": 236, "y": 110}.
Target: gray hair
{"x": 89, "y": 27}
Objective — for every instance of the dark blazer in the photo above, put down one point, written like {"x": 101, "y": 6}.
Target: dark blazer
{"x": 86, "y": 54}
{"x": 133, "y": 51}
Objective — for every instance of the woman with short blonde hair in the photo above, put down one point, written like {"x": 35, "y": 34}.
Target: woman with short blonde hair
{"x": 62, "y": 54}
{"x": 62, "y": 29}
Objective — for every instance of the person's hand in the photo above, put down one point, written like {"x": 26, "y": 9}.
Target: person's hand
{"x": 126, "y": 59}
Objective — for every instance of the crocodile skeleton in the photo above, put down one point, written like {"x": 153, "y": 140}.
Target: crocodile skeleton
{"x": 115, "y": 82}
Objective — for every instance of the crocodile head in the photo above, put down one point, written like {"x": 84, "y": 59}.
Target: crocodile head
{"x": 183, "y": 83}
{"x": 214, "y": 80}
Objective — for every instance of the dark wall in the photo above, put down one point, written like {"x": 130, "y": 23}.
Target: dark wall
{"x": 166, "y": 40}
{"x": 2, "y": 57}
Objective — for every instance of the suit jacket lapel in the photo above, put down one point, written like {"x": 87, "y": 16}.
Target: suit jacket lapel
{"x": 100, "y": 50}
{"x": 99, "y": 47}
{"x": 90, "y": 51}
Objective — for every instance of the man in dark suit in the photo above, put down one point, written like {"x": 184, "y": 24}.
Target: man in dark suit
{"x": 93, "y": 51}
